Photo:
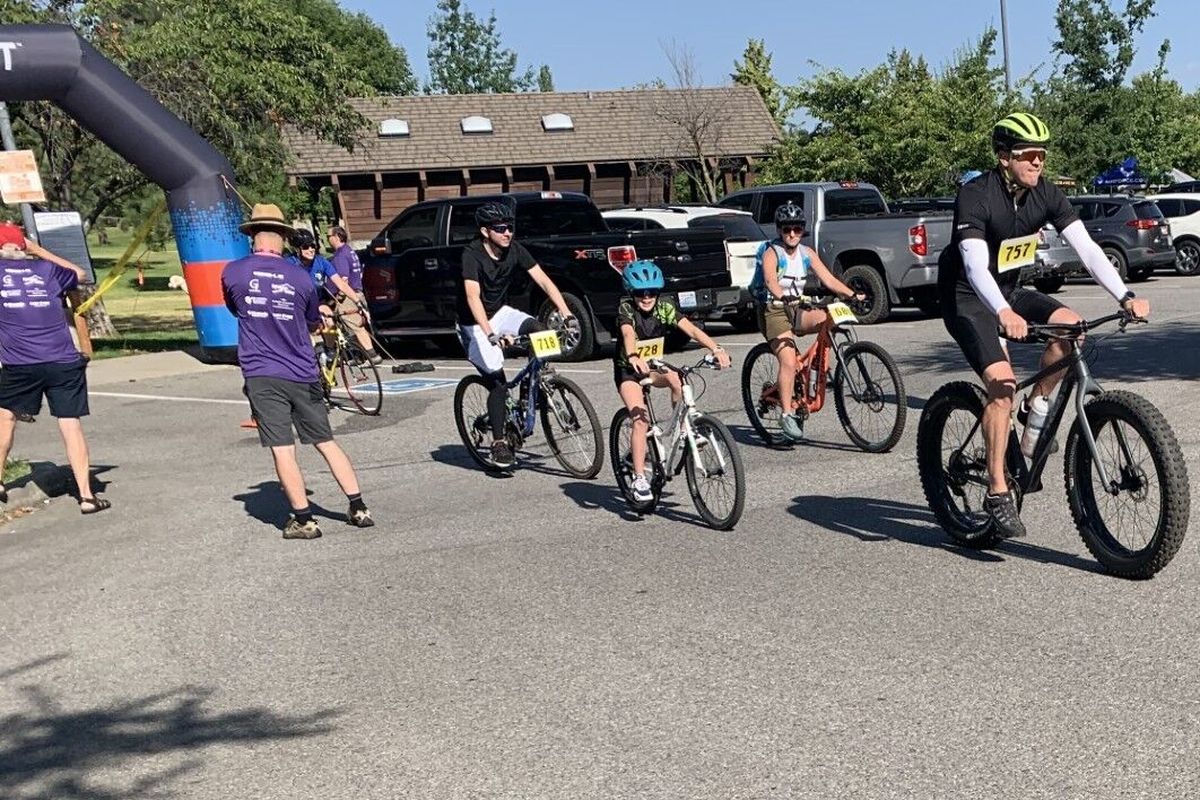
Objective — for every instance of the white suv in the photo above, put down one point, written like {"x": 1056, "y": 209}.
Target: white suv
{"x": 1183, "y": 211}
{"x": 742, "y": 240}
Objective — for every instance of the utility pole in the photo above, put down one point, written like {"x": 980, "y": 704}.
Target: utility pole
{"x": 1004, "y": 36}
{"x": 11, "y": 144}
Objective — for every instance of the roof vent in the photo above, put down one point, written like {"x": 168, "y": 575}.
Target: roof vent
{"x": 557, "y": 122}
{"x": 393, "y": 127}
{"x": 476, "y": 125}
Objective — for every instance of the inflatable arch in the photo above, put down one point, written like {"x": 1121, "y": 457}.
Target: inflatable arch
{"x": 52, "y": 62}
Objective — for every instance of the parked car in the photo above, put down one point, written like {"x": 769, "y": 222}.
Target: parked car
{"x": 891, "y": 258}
{"x": 412, "y": 270}
{"x": 1056, "y": 261}
{"x": 1135, "y": 235}
{"x": 742, "y": 240}
{"x": 1182, "y": 210}
{"x": 1184, "y": 187}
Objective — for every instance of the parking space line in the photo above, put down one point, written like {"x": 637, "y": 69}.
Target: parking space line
{"x": 568, "y": 370}
{"x": 132, "y": 396}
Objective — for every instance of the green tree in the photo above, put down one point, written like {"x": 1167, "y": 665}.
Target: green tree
{"x": 366, "y": 47}
{"x": 466, "y": 56}
{"x": 545, "y": 81}
{"x": 755, "y": 70}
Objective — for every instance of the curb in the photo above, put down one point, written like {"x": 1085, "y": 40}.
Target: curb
{"x": 45, "y": 480}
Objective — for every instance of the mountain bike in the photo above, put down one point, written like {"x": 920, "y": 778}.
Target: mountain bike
{"x": 569, "y": 421}
{"x": 1125, "y": 477}
{"x": 343, "y": 364}
{"x": 868, "y": 390}
{"x": 697, "y": 444}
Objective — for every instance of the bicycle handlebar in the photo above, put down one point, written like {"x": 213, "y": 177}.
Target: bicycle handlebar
{"x": 707, "y": 362}
{"x": 1073, "y": 330}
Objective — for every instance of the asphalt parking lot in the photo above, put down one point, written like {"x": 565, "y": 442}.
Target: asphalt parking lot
{"x": 529, "y": 637}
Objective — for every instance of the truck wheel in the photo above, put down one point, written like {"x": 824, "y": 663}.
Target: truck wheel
{"x": 865, "y": 280}
{"x": 745, "y": 322}
{"x": 572, "y": 350}
{"x": 1048, "y": 285}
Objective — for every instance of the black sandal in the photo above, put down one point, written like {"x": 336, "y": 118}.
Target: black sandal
{"x": 3, "y": 493}
{"x": 93, "y": 505}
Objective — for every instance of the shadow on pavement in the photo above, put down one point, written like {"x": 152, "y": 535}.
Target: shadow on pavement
{"x": 872, "y": 520}
{"x": 267, "y": 503}
{"x": 456, "y": 455}
{"x": 606, "y": 497}
{"x": 47, "y": 750}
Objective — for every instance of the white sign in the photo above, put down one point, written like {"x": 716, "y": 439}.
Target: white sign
{"x": 20, "y": 181}
{"x": 7, "y": 48}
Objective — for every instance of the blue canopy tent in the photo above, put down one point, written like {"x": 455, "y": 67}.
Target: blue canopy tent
{"x": 1121, "y": 176}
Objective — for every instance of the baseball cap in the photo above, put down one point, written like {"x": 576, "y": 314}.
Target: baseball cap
{"x": 12, "y": 234}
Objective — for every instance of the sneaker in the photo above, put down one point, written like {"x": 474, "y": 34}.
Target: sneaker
{"x": 360, "y": 518}
{"x": 307, "y": 530}
{"x": 502, "y": 454}
{"x": 1003, "y": 510}
{"x": 642, "y": 493}
{"x": 374, "y": 357}
{"x": 793, "y": 427}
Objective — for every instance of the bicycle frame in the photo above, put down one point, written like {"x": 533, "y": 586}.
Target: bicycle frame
{"x": 670, "y": 459}
{"x": 1078, "y": 380}
{"x": 812, "y": 393}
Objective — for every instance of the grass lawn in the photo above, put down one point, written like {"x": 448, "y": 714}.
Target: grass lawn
{"x": 149, "y": 317}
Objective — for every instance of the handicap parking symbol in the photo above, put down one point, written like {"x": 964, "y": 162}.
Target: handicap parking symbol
{"x": 407, "y": 385}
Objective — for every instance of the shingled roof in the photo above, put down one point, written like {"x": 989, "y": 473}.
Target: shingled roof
{"x": 625, "y": 125}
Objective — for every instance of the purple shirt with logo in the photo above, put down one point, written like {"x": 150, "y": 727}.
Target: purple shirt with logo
{"x": 346, "y": 262}
{"x": 276, "y": 304}
{"x": 33, "y": 328}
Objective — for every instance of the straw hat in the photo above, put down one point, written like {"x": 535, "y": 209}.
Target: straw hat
{"x": 266, "y": 217}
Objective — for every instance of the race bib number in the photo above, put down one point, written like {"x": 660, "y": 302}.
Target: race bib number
{"x": 841, "y": 314}
{"x": 545, "y": 344}
{"x": 651, "y": 348}
{"x": 1018, "y": 252}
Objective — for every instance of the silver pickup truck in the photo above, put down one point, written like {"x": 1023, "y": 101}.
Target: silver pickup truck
{"x": 891, "y": 258}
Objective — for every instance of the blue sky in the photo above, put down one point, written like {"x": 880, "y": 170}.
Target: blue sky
{"x": 619, "y": 43}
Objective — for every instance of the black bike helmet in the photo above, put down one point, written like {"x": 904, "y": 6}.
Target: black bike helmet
{"x": 490, "y": 214}
{"x": 789, "y": 214}
{"x": 302, "y": 239}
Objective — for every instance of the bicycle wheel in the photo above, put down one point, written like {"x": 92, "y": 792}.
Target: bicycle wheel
{"x": 620, "y": 438}
{"x": 718, "y": 483}
{"x": 953, "y": 469}
{"x": 760, "y": 393}
{"x": 1134, "y": 526}
{"x": 571, "y": 426}
{"x": 471, "y": 419}
{"x": 361, "y": 382}
{"x": 869, "y": 396}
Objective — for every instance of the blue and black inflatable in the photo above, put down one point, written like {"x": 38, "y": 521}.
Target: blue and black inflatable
{"x": 52, "y": 62}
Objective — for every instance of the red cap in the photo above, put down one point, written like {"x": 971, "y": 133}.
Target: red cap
{"x": 12, "y": 234}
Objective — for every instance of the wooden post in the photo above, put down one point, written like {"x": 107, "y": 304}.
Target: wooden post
{"x": 74, "y": 298}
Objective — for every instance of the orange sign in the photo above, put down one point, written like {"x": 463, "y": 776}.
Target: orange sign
{"x": 19, "y": 178}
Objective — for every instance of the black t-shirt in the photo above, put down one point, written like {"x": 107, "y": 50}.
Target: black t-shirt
{"x": 985, "y": 210}
{"x": 494, "y": 277}
{"x": 646, "y": 325}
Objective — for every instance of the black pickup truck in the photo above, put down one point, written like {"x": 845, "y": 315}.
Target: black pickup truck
{"x": 412, "y": 269}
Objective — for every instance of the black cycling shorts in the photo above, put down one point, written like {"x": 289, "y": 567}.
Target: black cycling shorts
{"x": 22, "y": 387}
{"x": 976, "y": 330}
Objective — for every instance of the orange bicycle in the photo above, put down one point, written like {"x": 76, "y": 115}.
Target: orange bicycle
{"x": 867, "y": 388}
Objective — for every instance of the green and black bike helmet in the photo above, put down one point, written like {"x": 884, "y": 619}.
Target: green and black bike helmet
{"x": 1019, "y": 129}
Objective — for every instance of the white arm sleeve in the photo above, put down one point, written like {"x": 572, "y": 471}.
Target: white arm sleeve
{"x": 975, "y": 261}
{"x": 1094, "y": 259}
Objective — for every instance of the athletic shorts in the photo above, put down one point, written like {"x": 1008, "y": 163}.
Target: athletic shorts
{"x": 977, "y": 331}
{"x": 278, "y": 404}
{"x": 347, "y": 308}
{"x": 22, "y": 387}
{"x": 485, "y": 356}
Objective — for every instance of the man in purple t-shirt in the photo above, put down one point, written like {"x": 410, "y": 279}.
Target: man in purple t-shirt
{"x": 277, "y": 305}
{"x": 38, "y": 356}
{"x": 351, "y": 308}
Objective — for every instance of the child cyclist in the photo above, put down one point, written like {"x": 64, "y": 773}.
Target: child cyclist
{"x": 643, "y": 316}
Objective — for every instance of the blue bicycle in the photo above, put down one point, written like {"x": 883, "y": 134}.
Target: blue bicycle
{"x": 569, "y": 421}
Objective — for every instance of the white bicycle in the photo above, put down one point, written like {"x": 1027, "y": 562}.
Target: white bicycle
{"x": 694, "y": 442}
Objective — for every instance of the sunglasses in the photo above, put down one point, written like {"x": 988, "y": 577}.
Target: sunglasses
{"x": 792, "y": 229}
{"x": 1029, "y": 154}
{"x": 501, "y": 228}
{"x": 643, "y": 294}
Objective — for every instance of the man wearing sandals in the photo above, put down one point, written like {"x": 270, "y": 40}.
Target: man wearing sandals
{"x": 39, "y": 357}
{"x": 277, "y": 307}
